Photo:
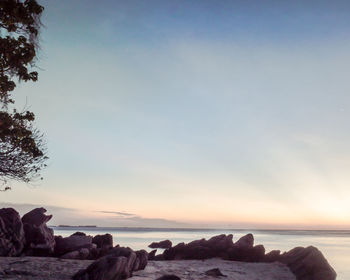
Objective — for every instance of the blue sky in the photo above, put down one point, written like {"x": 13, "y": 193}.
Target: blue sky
{"x": 197, "y": 112}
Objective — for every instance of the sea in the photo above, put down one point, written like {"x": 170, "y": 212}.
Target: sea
{"x": 334, "y": 244}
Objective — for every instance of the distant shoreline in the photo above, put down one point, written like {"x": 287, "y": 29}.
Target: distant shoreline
{"x": 156, "y": 229}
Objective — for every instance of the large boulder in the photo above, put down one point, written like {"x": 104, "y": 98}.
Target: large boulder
{"x": 220, "y": 242}
{"x": 245, "y": 251}
{"x": 105, "y": 268}
{"x": 119, "y": 263}
{"x": 245, "y": 242}
{"x": 40, "y": 240}
{"x": 308, "y": 264}
{"x": 75, "y": 242}
{"x": 12, "y": 238}
{"x": 105, "y": 240}
{"x": 165, "y": 244}
{"x": 141, "y": 260}
{"x": 124, "y": 252}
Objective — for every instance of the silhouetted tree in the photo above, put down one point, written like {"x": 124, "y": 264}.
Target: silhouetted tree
{"x": 22, "y": 151}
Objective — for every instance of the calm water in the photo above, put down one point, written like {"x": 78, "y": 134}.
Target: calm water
{"x": 335, "y": 245}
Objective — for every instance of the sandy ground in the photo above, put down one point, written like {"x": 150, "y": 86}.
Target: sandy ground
{"x": 31, "y": 268}
{"x": 195, "y": 270}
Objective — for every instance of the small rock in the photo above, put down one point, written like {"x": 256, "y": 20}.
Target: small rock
{"x": 169, "y": 277}
{"x": 152, "y": 254}
{"x": 165, "y": 244}
{"x": 84, "y": 253}
{"x": 71, "y": 255}
{"x": 214, "y": 272}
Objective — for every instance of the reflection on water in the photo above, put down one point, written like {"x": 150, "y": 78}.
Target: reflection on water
{"x": 335, "y": 245}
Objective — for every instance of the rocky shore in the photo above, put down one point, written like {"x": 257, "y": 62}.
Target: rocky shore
{"x": 39, "y": 268}
{"x": 30, "y": 250}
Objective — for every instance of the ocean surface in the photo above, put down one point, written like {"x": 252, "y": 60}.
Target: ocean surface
{"x": 335, "y": 245}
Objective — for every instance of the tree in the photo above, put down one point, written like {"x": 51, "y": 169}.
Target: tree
{"x": 22, "y": 150}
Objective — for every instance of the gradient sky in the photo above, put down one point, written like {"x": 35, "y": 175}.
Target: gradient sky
{"x": 193, "y": 113}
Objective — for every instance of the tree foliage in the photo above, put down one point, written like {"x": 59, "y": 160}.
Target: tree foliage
{"x": 22, "y": 150}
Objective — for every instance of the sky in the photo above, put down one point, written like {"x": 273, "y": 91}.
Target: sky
{"x": 192, "y": 113}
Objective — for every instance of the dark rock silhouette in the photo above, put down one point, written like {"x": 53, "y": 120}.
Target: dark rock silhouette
{"x": 40, "y": 240}
{"x": 308, "y": 264}
{"x": 169, "y": 277}
{"x": 75, "y": 242}
{"x": 165, "y": 244}
{"x": 272, "y": 256}
{"x": 12, "y": 237}
{"x": 81, "y": 254}
{"x": 74, "y": 255}
{"x": 105, "y": 268}
{"x": 119, "y": 263}
{"x": 245, "y": 242}
{"x": 152, "y": 254}
{"x": 105, "y": 240}
{"x": 220, "y": 246}
{"x": 142, "y": 258}
{"x": 214, "y": 272}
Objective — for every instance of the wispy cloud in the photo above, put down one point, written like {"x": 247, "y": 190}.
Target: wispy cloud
{"x": 117, "y": 213}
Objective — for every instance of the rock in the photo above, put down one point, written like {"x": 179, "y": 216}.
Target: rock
{"x": 272, "y": 256}
{"x": 84, "y": 253}
{"x": 216, "y": 246}
{"x": 79, "y": 233}
{"x": 124, "y": 252}
{"x": 220, "y": 242}
{"x": 119, "y": 263}
{"x": 165, "y": 244}
{"x": 152, "y": 254}
{"x": 308, "y": 264}
{"x": 142, "y": 258}
{"x": 105, "y": 240}
{"x": 191, "y": 251}
{"x": 71, "y": 255}
{"x": 159, "y": 257}
{"x": 12, "y": 237}
{"x": 247, "y": 254}
{"x": 75, "y": 242}
{"x": 40, "y": 240}
{"x": 36, "y": 217}
{"x": 169, "y": 277}
{"x": 246, "y": 241}
{"x": 214, "y": 272}
{"x": 105, "y": 268}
